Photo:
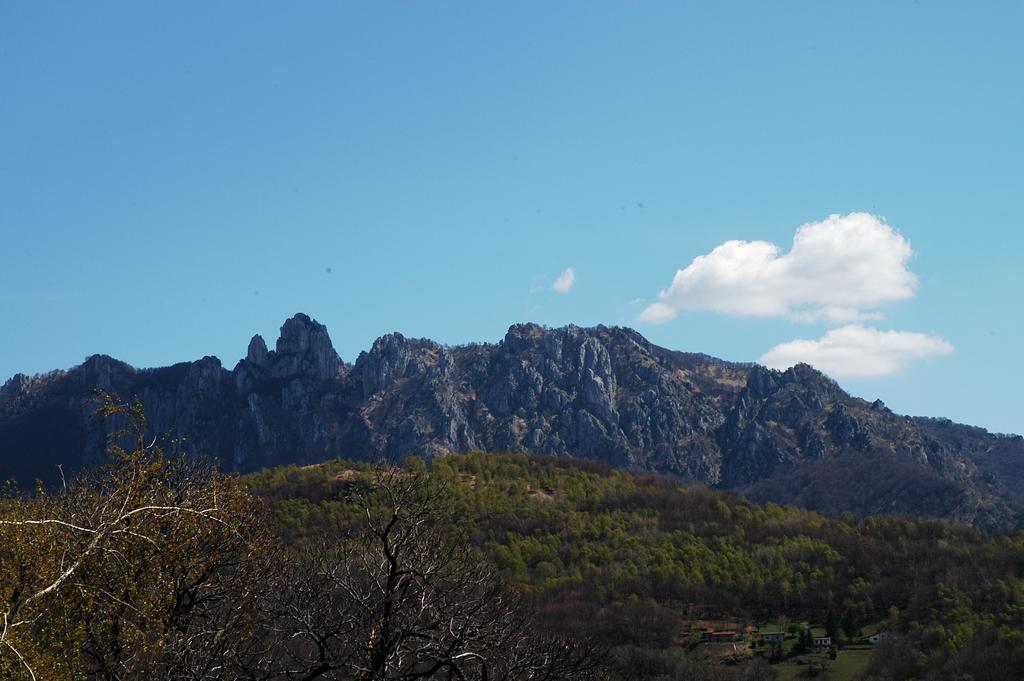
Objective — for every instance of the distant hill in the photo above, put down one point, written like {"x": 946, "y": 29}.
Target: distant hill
{"x": 602, "y": 393}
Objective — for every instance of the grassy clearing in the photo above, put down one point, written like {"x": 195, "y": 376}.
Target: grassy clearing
{"x": 851, "y": 663}
{"x": 848, "y": 666}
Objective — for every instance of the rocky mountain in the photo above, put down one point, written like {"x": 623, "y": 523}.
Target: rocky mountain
{"x": 601, "y": 393}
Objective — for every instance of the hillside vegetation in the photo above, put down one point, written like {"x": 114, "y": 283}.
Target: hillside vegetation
{"x": 157, "y": 568}
{"x": 643, "y": 563}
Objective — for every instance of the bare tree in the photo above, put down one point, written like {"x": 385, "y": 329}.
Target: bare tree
{"x": 119, "y": 572}
{"x": 404, "y": 596}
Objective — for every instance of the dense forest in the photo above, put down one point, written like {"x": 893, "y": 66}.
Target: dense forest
{"x": 637, "y": 562}
{"x": 482, "y": 566}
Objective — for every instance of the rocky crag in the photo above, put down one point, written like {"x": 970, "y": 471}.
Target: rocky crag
{"x": 599, "y": 393}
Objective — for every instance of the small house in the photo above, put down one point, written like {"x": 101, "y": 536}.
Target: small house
{"x": 772, "y": 636}
{"x": 877, "y": 636}
{"x": 721, "y": 636}
{"x": 822, "y": 641}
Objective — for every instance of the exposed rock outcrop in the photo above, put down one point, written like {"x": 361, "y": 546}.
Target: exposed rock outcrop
{"x": 601, "y": 393}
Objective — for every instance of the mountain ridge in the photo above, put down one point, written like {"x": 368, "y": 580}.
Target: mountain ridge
{"x": 604, "y": 393}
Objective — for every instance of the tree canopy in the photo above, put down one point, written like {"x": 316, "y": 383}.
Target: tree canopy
{"x": 160, "y": 568}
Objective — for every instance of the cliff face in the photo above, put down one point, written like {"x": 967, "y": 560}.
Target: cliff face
{"x": 600, "y": 393}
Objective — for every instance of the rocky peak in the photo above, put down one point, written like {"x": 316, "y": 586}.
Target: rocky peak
{"x": 811, "y": 380}
{"x": 205, "y": 374}
{"x": 520, "y": 337}
{"x": 392, "y": 358}
{"x": 15, "y": 385}
{"x": 104, "y": 372}
{"x": 257, "y": 353}
{"x": 304, "y": 349}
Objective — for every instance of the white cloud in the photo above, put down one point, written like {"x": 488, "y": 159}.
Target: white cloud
{"x": 658, "y": 313}
{"x": 859, "y": 351}
{"x": 565, "y": 280}
{"x": 836, "y": 271}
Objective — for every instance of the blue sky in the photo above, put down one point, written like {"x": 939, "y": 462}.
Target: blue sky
{"x": 174, "y": 179}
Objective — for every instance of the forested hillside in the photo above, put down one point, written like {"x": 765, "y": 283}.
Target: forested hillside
{"x": 483, "y": 566}
{"x": 642, "y": 562}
